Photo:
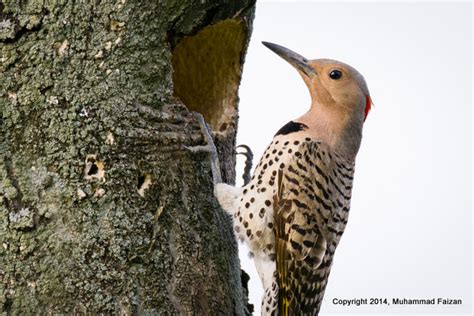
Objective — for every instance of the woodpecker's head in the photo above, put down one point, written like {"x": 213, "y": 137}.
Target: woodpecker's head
{"x": 332, "y": 84}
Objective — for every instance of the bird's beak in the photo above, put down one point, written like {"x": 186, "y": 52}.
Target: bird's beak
{"x": 296, "y": 60}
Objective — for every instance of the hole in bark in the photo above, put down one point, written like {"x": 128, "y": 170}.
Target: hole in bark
{"x": 141, "y": 179}
{"x": 207, "y": 71}
{"x": 144, "y": 182}
{"x": 94, "y": 169}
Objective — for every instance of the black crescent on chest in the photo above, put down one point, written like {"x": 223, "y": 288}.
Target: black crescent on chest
{"x": 291, "y": 127}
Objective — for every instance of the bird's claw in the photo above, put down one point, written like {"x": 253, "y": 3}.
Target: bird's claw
{"x": 248, "y": 162}
{"x": 210, "y": 148}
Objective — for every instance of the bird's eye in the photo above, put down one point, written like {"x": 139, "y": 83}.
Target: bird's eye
{"x": 335, "y": 74}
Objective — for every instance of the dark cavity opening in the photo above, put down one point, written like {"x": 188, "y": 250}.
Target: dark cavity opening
{"x": 207, "y": 68}
{"x": 93, "y": 170}
{"x": 141, "y": 180}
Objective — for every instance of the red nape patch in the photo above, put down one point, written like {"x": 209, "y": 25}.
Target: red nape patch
{"x": 368, "y": 105}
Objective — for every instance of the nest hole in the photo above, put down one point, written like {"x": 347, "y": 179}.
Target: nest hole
{"x": 207, "y": 69}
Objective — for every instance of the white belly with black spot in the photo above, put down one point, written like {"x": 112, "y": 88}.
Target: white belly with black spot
{"x": 253, "y": 220}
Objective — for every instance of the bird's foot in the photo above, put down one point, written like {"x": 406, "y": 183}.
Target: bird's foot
{"x": 248, "y": 162}
{"x": 210, "y": 148}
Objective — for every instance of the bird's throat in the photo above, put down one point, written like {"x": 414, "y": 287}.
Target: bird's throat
{"x": 335, "y": 127}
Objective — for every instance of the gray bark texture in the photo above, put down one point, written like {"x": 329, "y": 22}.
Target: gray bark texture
{"x": 102, "y": 207}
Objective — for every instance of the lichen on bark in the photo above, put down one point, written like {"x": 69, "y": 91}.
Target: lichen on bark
{"x": 89, "y": 115}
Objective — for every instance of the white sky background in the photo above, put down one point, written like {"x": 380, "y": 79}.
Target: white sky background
{"x": 410, "y": 227}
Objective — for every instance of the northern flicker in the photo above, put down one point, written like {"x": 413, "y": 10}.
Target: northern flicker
{"x": 294, "y": 210}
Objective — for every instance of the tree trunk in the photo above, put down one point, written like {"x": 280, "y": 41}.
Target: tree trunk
{"x": 102, "y": 207}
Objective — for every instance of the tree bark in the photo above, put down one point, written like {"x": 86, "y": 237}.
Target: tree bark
{"x": 102, "y": 207}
